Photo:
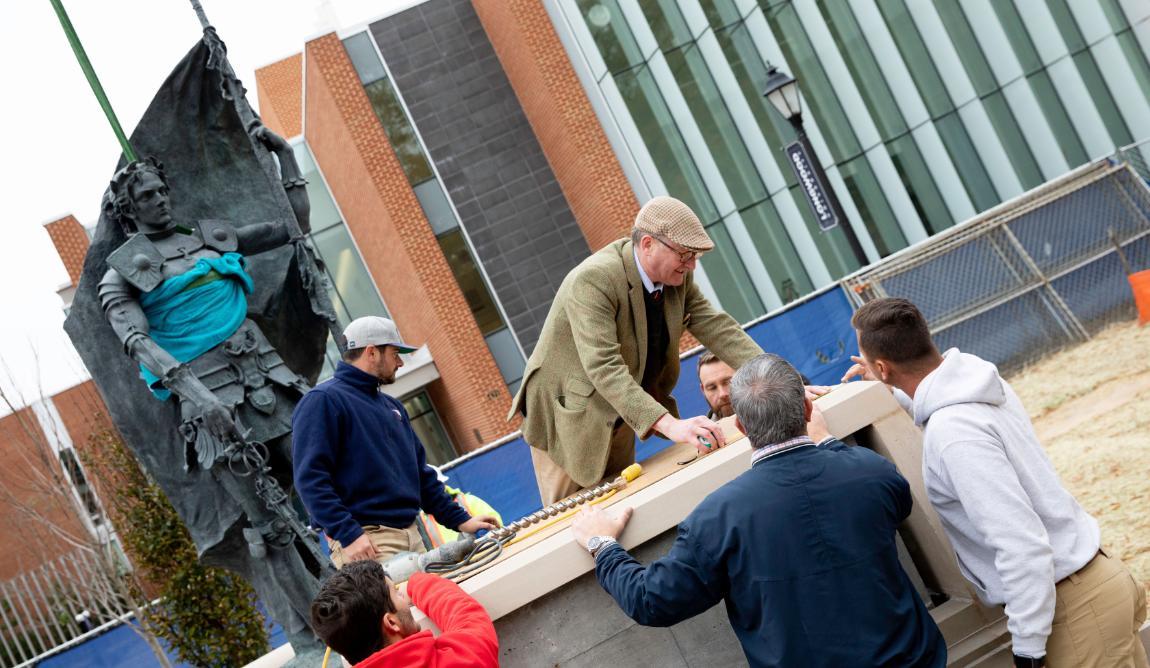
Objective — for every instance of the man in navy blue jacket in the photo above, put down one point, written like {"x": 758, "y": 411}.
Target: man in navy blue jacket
{"x": 358, "y": 465}
{"x": 801, "y": 547}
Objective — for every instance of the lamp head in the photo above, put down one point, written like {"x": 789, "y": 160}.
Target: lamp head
{"x": 783, "y": 93}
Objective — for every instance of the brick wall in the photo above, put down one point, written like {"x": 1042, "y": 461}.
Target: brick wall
{"x": 279, "y": 88}
{"x": 30, "y": 501}
{"x": 71, "y": 243}
{"x": 399, "y": 247}
{"x": 564, "y": 122}
{"x": 492, "y": 165}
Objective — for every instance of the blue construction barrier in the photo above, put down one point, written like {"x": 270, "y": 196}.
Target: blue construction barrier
{"x": 815, "y": 335}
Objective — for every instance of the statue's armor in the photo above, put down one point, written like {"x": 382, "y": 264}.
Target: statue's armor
{"x": 145, "y": 263}
{"x": 245, "y": 372}
{"x": 249, "y": 377}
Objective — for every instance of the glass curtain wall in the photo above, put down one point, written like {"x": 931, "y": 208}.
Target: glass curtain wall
{"x": 938, "y": 108}
{"x": 353, "y": 292}
{"x": 409, "y": 149}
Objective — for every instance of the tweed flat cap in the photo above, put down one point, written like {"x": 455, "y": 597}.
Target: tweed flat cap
{"x": 674, "y": 221}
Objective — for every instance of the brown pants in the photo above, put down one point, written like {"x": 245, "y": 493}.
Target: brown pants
{"x": 1097, "y": 615}
{"x": 388, "y": 542}
{"x": 554, "y": 483}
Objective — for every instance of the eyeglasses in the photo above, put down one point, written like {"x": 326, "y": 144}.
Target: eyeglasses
{"x": 685, "y": 256}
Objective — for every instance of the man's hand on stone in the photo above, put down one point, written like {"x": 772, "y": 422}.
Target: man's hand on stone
{"x": 473, "y": 525}
{"x": 701, "y": 432}
{"x": 857, "y": 369}
{"x": 361, "y": 549}
{"x": 592, "y": 521}
{"x": 816, "y": 391}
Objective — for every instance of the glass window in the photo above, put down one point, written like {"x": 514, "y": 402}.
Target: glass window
{"x": 716, "y": 125}
{"x": 470, "y": 281}
{"x": 428, "y": 427}
{"x": 833, "y": 245}
{"x": 1019, "y": 38}
{"x": 751, "y": 73}
{"x": 75, "y": 473}
{"x": 1137, "y": 60}
{"x": 1091, "y": 76}
{"x": 664, "y": 142}
{"x": 435, "y": 206}
{"x": 916, "y": 56}
{"x": 863, "y": 67}
{"x": 507, "y": 356}
{"x": 966, "y": 161}
{"x": 720, "y": 13}
{"x": 818, "y": 93}
{"x": 774, "y": 246}
{"x": 1067, "y": 26}
{"x": 729, "y": 277}
{"x": 323, "y": 212}
{"x": 1115, "y": 15}
{"x": 611, "y": 33}
{"x": 364, "y": 58}
{"x": 967, "y": 46}
{"x": 1103, "y": 101}
{"x": 666, "y": 23}
{"x": 399, "y": 130}
{"x": 877, "y": 216}
{"x": 354, "y": 292}
{"x": 919, "y": 184}
{"x": 1012, "y": 139}
{"x": 1058, "y": 119}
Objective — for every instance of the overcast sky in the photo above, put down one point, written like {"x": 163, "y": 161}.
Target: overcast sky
{"x": 60, "y": 151}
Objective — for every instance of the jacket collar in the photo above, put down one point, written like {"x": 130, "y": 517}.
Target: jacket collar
{"x": 361, "y": 380}
{"x": 627, "y": 254}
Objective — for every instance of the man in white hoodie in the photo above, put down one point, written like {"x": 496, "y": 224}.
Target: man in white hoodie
{"x": 1021, "y": 539}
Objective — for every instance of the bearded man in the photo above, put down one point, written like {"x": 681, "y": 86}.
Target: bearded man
{"x": 359, "y": 467}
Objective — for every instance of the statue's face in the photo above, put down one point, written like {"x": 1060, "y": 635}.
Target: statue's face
{"x": 151, "y": 204}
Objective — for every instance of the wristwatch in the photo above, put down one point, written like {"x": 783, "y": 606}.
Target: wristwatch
{"x": 1029, "y": 662}
{"x": 596, "y": 543}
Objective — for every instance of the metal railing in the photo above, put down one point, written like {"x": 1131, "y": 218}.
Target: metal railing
{"x": 57, "y": 604}
{"x": 1031, "y": 275}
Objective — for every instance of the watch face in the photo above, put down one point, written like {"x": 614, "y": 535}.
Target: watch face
{"x": 594, "y": 543}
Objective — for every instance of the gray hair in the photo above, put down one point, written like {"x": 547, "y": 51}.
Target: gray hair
{"x": 767, "y": 394}
{"x": 637, "y": 235}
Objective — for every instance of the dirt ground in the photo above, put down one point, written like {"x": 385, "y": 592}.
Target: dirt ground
{"x": 1091, "y": 408}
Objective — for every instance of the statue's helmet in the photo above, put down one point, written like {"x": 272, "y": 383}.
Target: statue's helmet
{"x": 118, "y": 203}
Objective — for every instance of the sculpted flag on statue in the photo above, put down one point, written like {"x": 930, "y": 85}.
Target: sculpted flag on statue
{"x": 217, "y": 176}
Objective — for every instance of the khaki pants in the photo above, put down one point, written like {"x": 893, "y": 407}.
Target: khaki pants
{"x": 388, "y": 542}
{"x": 1098, "y": 613}
{"x": 554, "y": 483}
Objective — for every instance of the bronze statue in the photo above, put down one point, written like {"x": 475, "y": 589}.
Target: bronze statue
{"x": 175, "y": 294}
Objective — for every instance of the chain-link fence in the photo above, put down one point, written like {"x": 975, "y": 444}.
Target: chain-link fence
{"x": 1034, "y": 274}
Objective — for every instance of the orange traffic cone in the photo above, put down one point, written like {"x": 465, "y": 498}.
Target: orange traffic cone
{"x": 1140, "y": 284}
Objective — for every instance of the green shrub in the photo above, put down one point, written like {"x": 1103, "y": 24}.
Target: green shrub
{"x": 207, "y": 615}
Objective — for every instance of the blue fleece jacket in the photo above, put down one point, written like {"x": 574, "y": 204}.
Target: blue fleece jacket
{"x": 357, "y": 461}
{"x": 802, "y": 550}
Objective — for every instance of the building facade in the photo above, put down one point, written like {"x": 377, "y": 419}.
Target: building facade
{"x": 475, "y": 150}
{"x": 463, "y": 155}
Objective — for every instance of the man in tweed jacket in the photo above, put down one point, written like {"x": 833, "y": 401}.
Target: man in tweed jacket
{"x": 608, "y": 357}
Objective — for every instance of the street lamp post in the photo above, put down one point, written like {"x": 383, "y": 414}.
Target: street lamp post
{"x": 783, "y": 94}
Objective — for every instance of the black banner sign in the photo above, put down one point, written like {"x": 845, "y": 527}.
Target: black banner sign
{"x": 812, "y": 187}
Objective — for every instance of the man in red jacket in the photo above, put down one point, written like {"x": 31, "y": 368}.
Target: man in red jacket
{"x": 360, "y": 614}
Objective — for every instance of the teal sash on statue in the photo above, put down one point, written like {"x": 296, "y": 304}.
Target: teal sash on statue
{"x": 192, "y": 313}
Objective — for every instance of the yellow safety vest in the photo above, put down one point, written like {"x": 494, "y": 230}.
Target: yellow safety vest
{"x": 439, "y": 534}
